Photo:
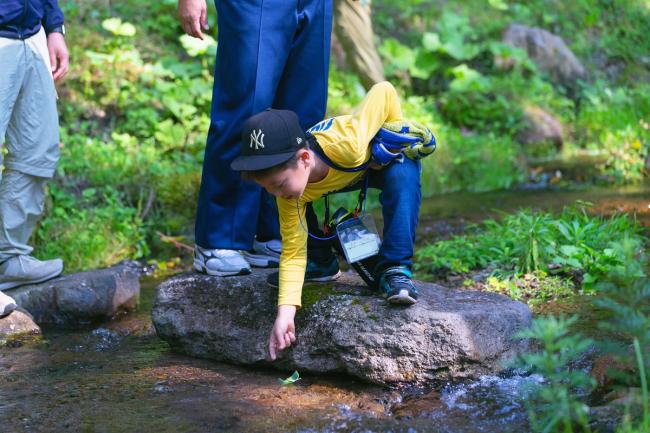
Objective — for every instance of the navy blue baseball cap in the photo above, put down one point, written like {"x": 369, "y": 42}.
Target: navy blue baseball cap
{"x": 269, "y": 138}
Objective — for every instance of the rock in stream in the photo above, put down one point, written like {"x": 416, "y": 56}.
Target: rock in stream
{"x": 81, "y": 298}
{"x": 343, "y": 328}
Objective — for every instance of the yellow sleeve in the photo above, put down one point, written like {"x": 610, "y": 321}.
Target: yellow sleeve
{"x": 354, "y": 132}
{"x": 293, "y": 259}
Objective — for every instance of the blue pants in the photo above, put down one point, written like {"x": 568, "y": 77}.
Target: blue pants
{"x": 400, "y": 204}
{"x": 271, "y": 53}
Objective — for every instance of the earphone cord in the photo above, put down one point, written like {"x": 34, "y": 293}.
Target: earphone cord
{"x": 307, "y": 231}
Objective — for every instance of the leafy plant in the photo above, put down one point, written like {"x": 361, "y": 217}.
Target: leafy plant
{"x": 625, "y": 296}
{"x": 573, "y": 243}
{"x": 556, "y": 405}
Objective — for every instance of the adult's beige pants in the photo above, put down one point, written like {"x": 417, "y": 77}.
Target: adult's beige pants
{"x": 29, "y": 129}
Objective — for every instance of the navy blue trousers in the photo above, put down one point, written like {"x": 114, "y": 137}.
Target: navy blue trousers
{"x": 400, "y": 206}
{"x": 271, "y": 53}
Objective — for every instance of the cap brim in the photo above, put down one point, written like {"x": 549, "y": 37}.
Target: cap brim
{"x": 260, "y": 162}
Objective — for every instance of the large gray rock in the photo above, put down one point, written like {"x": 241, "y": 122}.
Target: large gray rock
{"x": 342, "y": 328}
{"x": 17, "y": 326}
{"x": 540, "y": 127}
{"x": 549, "y": 52}
{"x": 82, "y": 298}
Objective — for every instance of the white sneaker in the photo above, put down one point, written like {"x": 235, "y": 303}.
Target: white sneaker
{"x": 264, "y": 254}
{"x": 7, "y": 304}
{"x": 221, "y": 263}
{"x": 22, "y": 269}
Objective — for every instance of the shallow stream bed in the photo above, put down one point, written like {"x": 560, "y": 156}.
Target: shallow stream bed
{"x": 119, "y": 377}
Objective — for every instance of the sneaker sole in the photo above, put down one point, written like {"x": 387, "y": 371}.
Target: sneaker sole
{"x": 13, "y": 285}
{"x": 401, "y": 300}
{"x": 8, "y": 310}
{"x": 324, "y": 279}
{"x": 261, "y": 261}
{"x": 315, "y": 280}
{"x": 203, "y": 270}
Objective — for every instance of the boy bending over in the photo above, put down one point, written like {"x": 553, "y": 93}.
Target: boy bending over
{"x": 276, "y": 153}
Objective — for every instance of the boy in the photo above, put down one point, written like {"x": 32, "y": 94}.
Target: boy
{"x": 276, "y": 154}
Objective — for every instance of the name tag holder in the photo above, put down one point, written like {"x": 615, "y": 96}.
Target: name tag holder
{"x": 359, "y": 238}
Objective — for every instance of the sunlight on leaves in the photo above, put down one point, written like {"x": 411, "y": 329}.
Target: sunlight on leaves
{"x": 119, "y": 28}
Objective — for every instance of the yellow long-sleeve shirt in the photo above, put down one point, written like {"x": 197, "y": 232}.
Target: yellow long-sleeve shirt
{"x": 345, "y": 140}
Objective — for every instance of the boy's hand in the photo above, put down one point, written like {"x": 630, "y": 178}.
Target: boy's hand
{"x": 193, "y": 16}
{"x": 59, "y": 57}
{"x": 284, "y": 331}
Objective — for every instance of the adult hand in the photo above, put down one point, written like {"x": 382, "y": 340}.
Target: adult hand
{"x": 284, "y": 331}
{"x": 193, "y": 15}
{"x": 59, "y": 57}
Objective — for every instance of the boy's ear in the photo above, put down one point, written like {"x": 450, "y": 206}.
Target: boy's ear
{"x": 304, "y": 155}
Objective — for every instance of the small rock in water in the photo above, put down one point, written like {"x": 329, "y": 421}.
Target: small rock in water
{"x": 162, "y": 387}
{"x": 106, "y": 339}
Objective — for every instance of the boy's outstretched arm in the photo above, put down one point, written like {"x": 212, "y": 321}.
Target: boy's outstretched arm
{"x": 284, "y": 330}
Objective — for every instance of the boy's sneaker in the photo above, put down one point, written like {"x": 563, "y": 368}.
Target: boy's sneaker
{"x": 264, "y": 254}
{"x": 314, "y": 273}
{"x": 218, "y": 262}
{"x": 397, "y": 286}
{"x": 7, "y": 304}
{"x": 23, "y": 269}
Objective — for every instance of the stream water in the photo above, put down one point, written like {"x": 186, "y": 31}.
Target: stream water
{"x": 119, "y": 377}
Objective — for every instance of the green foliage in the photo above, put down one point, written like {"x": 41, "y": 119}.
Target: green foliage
{"x": 91, "y": 231}
{"x": 451, "y": 52}
{"x": 533, "y": 288}
{"x": 625, "y": 296}
{"x": 570, "y": 243}
{"x": 344, "y": 91}
{"x": 133, "y": 124}
{"x": 555, "y": 407}
{"x": 135, "y": 105}
{"x": 615, "y": 121}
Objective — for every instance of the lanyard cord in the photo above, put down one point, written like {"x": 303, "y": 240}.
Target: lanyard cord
{"x": 307, "y": 231}
{"x": 360, "y": 208}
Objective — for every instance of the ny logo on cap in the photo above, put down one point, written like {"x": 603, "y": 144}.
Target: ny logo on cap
{"x": 257, "y": 139}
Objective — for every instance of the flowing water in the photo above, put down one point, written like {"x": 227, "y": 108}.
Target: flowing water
{"x": 118, "y": 377}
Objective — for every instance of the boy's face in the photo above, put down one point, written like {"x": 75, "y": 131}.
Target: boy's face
{"x": 289, "y": 183}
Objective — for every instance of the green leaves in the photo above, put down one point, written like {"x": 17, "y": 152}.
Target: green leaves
{"x": 498, "y": 4}
{"x": 456, "y": 35}
{"x": 555, "y": 406}
{"x": 199, "y": 47}
{"x": 466, "y": 78}
{"x": 119, "y": 28}
{"x": 290, "y": 380}
{"x": 398, "y": 57}
{"x": 525, "y": 242}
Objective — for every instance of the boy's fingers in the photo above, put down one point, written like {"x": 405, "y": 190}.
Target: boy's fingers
{"x": 279, "y": 338}
{"x": 272, "y": 352}
{"x": 287, "y": 340}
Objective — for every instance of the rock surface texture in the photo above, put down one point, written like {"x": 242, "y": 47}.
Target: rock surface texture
{"x": 82, "y": 298}
{"x": 18, "y": 325}
{"x": 539, "y": 127}
{"x": 549, "y": 52}
{"x": 343, "y": 327}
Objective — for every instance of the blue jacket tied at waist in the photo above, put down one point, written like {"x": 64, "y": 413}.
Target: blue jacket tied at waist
{"x": 20, "y": 19}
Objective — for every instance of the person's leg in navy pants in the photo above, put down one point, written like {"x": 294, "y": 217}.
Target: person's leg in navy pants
{"x": 271, "y": 53}
{"x": 400, "y": 198}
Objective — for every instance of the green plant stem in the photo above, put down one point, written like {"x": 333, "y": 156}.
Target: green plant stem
{"x": 644, "y": 385}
